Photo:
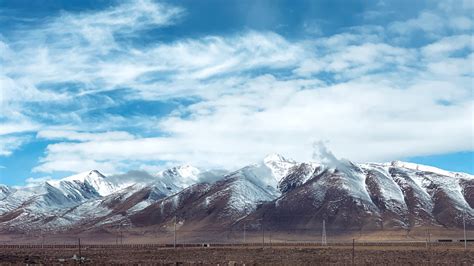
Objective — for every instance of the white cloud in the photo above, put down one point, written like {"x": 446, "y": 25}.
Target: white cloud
{"x": 266, "y": 114}
{"x": 10, "y": 143}
{"x": 356, "y": 60}
{"x": 455, "y": 17}
{"x": 369, "y": 97}
{"x": 426, "y": 21}
{"x": 71, "y": 48}
{"x": 453, "y": 67}
{"x": 12, "y": 134}
{"x": 242, "y": 118}
{"x": 17, "y": 127}
{"x": 447, "y": 45}
{"x": 97, "y": 28}
{"x": 462, "y": 23}
{"x": 83, "y": 136}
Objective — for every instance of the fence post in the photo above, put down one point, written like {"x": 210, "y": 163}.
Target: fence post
{"x": 80, "y": 255}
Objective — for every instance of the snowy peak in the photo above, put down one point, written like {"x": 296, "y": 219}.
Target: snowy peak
{"x": 275, "y": 157}
{"x": 185, "y": 171}
{"x": 82, "y": 177}
{"x": 180, "y": 176}
{"x": 92, "y": 178}
{"x": 278, "y": 165}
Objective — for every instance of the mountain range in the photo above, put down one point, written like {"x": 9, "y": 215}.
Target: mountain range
{"x": 281, "y": 193}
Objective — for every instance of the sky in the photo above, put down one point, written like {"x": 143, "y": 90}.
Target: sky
{"x": 144, "y": 85}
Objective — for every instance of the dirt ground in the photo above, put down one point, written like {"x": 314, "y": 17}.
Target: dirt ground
{"x": 399, "y": 254}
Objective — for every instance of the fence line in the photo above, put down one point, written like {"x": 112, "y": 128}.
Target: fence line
{"x": 215, "y": 245}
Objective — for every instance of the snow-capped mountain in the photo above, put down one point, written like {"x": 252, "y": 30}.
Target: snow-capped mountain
{"x": 232, "y": 197}
{"x": 32, "y": 205}
{"x": 90, "y": 197}
{"x": 285, "y": 193}
{"x": 372, "y": 197}
{"x": 58, "y": 194}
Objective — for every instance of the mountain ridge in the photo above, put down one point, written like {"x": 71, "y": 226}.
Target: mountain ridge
{"x": 350, "y": 195}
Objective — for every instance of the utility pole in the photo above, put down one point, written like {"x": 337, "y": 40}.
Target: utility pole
{"x": 353, "y": 250}
{"x": 270, "y": 233}
{"x": 244, "y": 233}
{"x": 121, "y": 234}
{"x": 174, "y": 245}
{"x": 263, "y": 235}
{"x": 323, "y": 237}
{"x": 426, "y": 238}
{"x": 429, "y": 239}
{"x": 80, "y": 255}
{"x": 464, "y": 226}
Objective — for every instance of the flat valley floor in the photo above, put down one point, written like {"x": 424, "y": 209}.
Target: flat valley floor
{"x": 340, "y": 254}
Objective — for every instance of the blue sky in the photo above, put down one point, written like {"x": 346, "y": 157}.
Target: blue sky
{"x": 122, "y": 85}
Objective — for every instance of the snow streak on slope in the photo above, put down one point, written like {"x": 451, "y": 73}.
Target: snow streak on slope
{"x": 433, "y": 180}
{"x": 298, "y": 175}
{"x": 242, "y": 196}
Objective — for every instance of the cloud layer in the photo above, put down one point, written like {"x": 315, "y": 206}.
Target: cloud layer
{"x": 371, "y": 92}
